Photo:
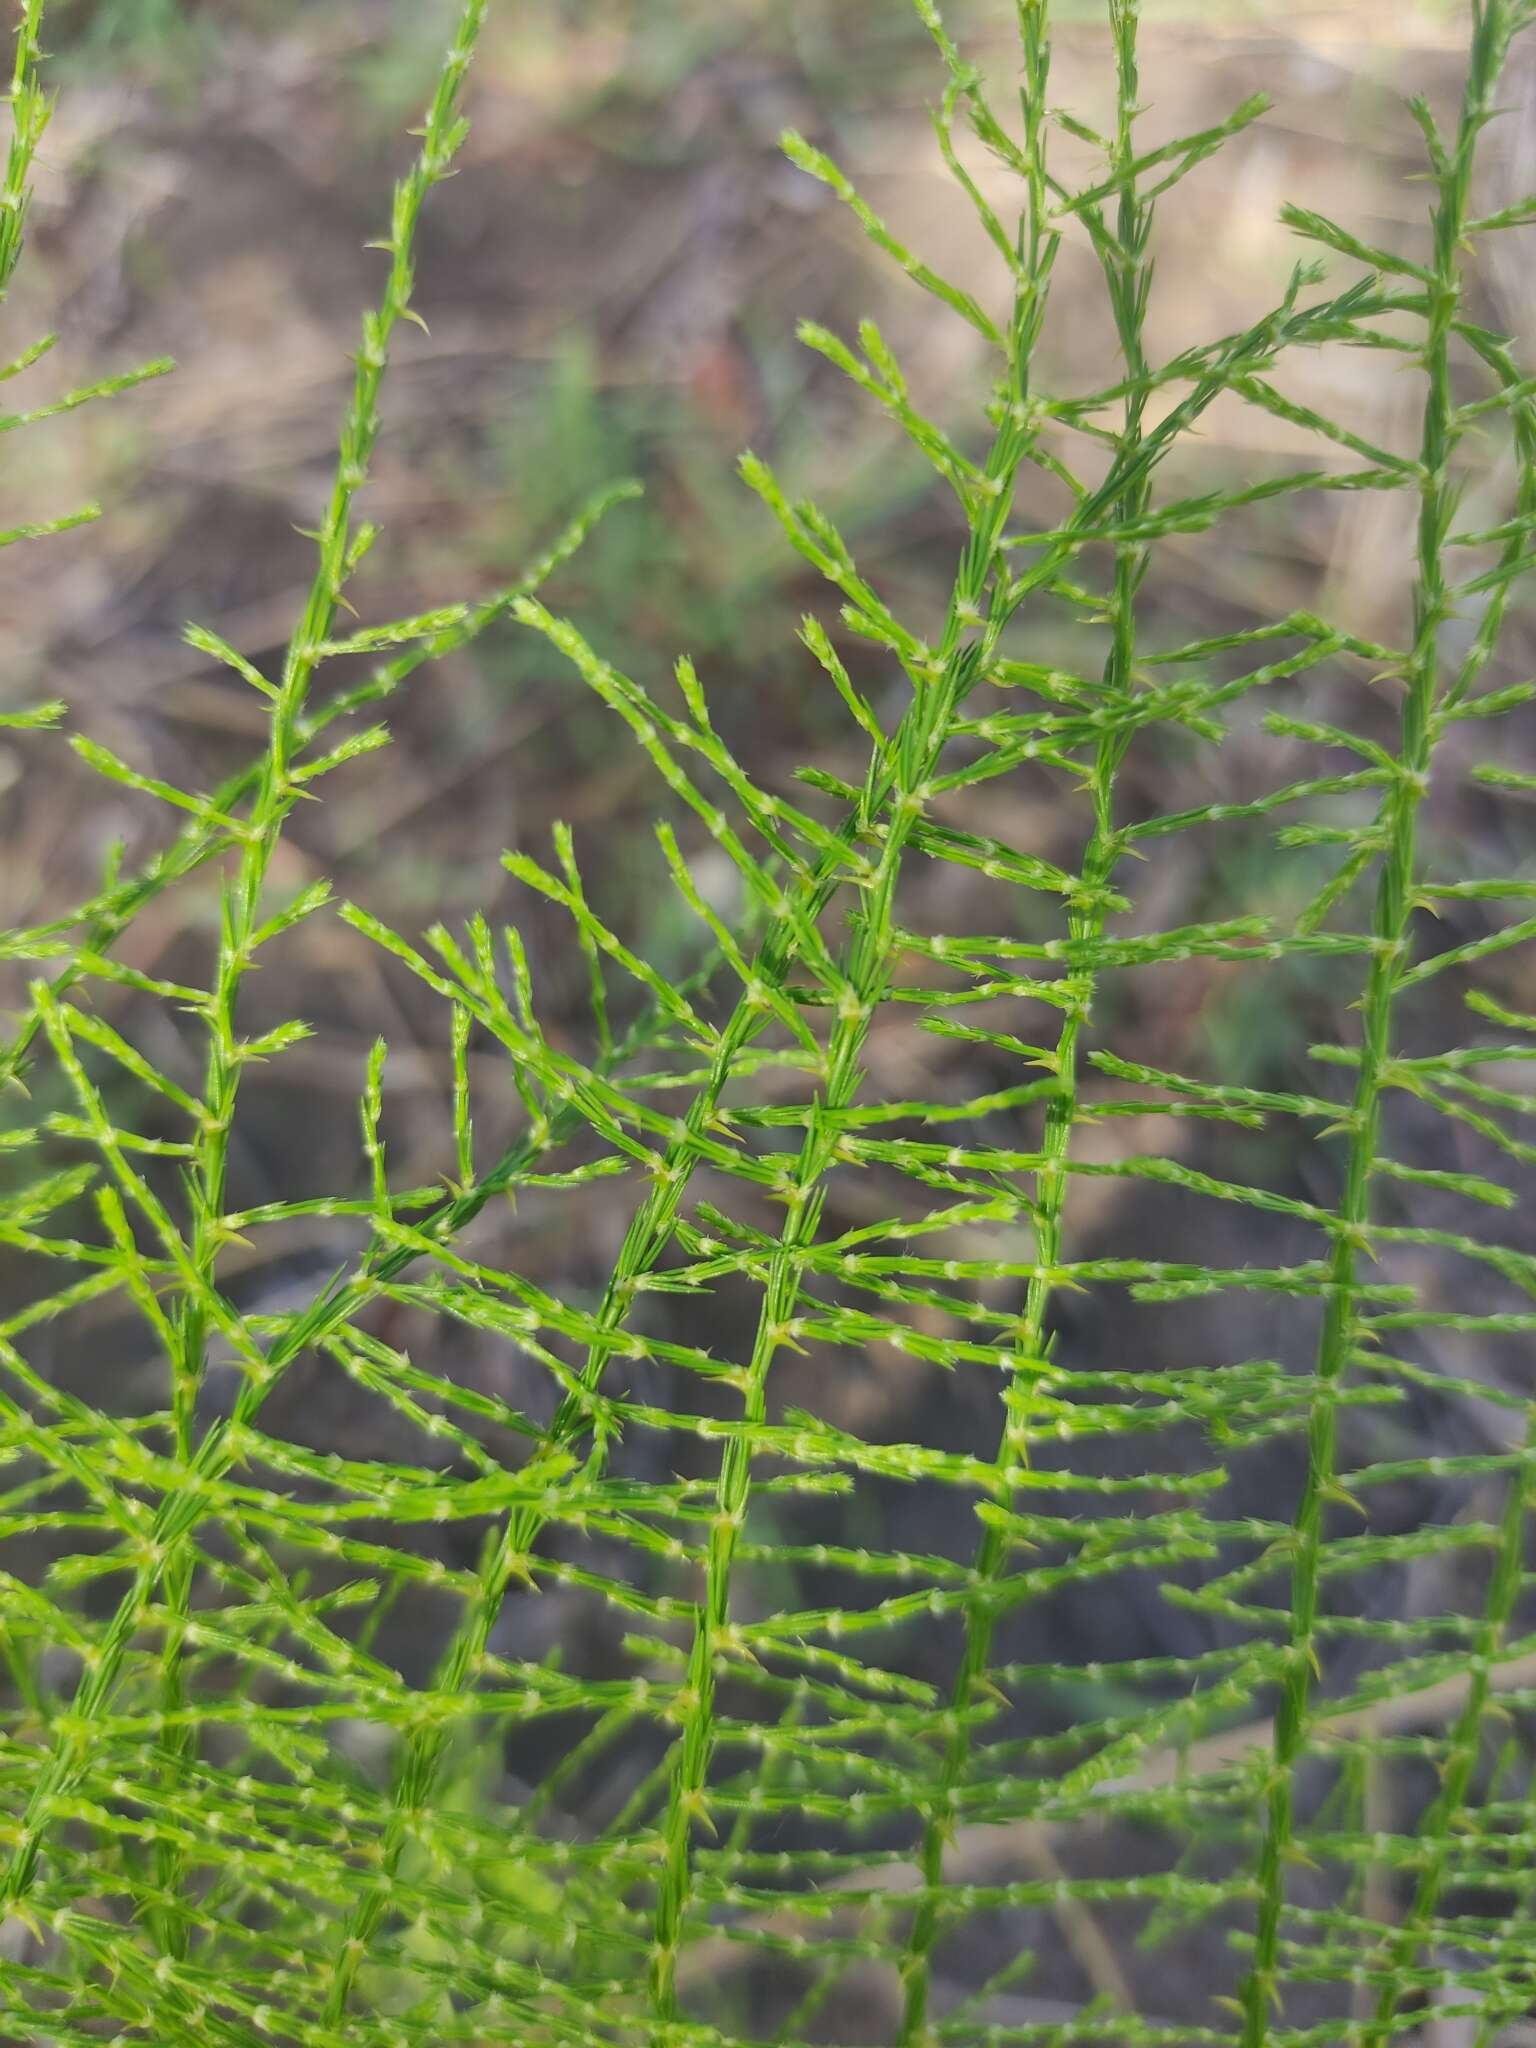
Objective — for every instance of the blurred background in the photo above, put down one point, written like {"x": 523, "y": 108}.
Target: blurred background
{"x": 611, "y": 284}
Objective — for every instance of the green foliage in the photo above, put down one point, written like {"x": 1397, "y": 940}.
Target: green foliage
{"x": 840, "y": 1753}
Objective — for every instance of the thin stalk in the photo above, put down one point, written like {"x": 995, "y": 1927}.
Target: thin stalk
{"x": 960, "y": 657}
{"x": 275, "y": 795}
{"x": 31, "y": 111}
{"x": 1128, "y": 276}
{"x": 1436, "y": 1829}
{"x": 1398, "y": 823}
{"x": 274, "y": 799}
{"x": 1439, "y": 1822}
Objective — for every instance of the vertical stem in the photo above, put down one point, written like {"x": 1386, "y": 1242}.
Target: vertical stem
{"x": 30, "y": 114}
{"x": 339, "y": 552}
{"x": 1465, "y": 1742}
{"x": 917, "y": 753}
{"x": 1492, "y": 28}
{"x": 1128, "y": 277}
{"x": 959, "y": 658}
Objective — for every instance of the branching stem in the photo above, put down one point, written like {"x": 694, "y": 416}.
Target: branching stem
{"x": 1398, "y": 825}
{"x": 274, "y": 797}
{"x": 1123, "y": 254}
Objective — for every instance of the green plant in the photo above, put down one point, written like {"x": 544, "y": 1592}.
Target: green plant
{"x": 814, "y": 1755}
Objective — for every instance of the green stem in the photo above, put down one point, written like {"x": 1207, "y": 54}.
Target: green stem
{"x": 1127, "y": 275}
{"x": 31, "y": 111}
{"x": 275, "y": 795}
{"x": 960, "y": 658}
{"x": 652, "y": 1227}
{"x": 1398, "y": 820}
{"x": 1435, "y": 1828}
